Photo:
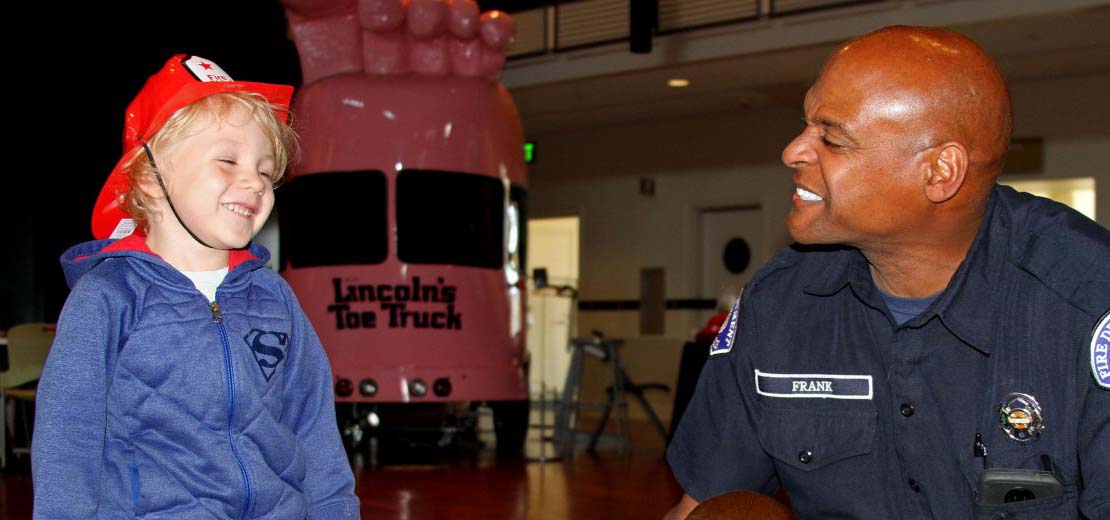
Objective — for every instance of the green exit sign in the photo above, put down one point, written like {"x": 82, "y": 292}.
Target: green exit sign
{"x": 529, "y": 152}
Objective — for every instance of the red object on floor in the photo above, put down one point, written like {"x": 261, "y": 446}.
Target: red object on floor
{"x": 712, "y": 328}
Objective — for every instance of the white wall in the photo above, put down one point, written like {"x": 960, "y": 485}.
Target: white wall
{"x": 1071, "y": 114}
{"x": 732, "y": 159}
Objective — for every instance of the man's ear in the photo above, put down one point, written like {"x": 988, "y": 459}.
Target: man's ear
{"x": 945, "y": 172}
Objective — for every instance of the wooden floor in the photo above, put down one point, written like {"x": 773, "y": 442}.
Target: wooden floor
{"x": 611, "y": 486}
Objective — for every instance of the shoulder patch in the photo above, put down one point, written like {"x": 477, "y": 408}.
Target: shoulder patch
{"x": 722, "y": 344}
{"x": 1100, "y": 352}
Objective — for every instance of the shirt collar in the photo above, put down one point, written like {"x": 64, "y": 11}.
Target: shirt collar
{"x": 840, "y": 269}
{"x": 964, "y": 307}
{"x": 136, "y": 241}
{"x": 968, "y": 306}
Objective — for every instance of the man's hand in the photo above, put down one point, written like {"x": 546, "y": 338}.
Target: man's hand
{"x": 681, "y": 509}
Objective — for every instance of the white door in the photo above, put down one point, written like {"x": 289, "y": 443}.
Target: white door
{"x": 728, "y": 236}
{"x": 552, "y": 245}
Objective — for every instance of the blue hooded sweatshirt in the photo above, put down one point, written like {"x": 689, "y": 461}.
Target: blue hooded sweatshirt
{"x": 155, "y": 403}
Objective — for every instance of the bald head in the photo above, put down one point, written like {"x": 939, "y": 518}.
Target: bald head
{"x": 939, "y": 83}
{"x": 906, "y": 129}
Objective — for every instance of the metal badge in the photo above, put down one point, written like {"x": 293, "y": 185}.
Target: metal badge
{"x": 1020, "y": 416}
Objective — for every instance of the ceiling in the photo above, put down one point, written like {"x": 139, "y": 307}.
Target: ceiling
{"x": 1074, "y": 42}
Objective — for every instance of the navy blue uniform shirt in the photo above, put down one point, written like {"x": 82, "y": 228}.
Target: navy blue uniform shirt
{"x": 811, "y": 385}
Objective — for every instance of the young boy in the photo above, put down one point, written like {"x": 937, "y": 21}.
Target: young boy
{"x": 185, "y": 381}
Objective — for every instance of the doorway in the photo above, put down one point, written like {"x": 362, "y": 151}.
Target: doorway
{"x": 1078, "y": 194}
{"x": 553, "y": 246}
{"x": 731, "y": 249}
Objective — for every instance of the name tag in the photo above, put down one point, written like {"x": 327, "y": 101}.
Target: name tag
{"x": 814, "y": 386}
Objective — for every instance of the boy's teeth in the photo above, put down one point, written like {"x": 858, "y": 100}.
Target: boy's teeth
{"x": 235, "y": 208}
{"x": 807, "y": 195}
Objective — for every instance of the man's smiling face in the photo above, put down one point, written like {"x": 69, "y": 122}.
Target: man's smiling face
{"x": 856, "y": 161}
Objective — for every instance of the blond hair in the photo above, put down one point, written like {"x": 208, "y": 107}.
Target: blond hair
{"x": 139, "y": 170}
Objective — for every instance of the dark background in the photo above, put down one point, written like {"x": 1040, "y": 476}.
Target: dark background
{"x": 70, "y": 75}
{"x": 75, "y": 71}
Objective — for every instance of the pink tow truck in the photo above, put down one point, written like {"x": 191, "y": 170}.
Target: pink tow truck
{"x": 401, "y": 228}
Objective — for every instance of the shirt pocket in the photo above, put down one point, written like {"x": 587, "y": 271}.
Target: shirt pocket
{"x": 1008, "y": 454}
{"x": 808, "y": 440}
{"x": 1062, "y": 507}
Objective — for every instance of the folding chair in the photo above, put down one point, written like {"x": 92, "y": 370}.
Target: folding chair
{"x": 608, "y": 351}
{"x": 28, "y": 345}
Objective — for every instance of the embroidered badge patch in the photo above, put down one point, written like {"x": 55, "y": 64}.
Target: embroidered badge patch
{"x": 813, "y": 386}
{"x": 205, "y": 70}
{"x": 1100, "y": 352}
{"x": 1020, "y": 416}
{"x": 722, "y": 344}
{"x": 268, "y": 348}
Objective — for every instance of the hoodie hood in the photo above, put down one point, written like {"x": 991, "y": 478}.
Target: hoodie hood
{"x": 82, "y": 258}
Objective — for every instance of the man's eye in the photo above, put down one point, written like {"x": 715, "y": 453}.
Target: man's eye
{"x": 830, "y": 144}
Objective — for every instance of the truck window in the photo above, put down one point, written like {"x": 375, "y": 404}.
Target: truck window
{"x": 333, "y": 218}
{"x": 450, "y": 218}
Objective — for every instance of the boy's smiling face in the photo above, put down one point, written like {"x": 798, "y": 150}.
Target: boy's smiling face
{"x": 219, "y": 178}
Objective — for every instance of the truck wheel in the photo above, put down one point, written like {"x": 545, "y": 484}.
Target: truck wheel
{"x": 510, "y": 426}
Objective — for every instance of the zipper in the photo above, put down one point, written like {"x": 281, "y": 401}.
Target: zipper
{"x": 218, "y": 319}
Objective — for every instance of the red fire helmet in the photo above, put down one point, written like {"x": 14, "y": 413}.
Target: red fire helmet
{"x": 182, "y": 80}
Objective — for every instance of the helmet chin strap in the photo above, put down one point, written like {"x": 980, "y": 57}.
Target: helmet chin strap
{"x": 157, "y": 175}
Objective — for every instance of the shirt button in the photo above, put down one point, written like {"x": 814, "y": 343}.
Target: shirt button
{"x": 915, "y": 486}
{"x": 805, "y": 456}
{"x": 907, "y": 409}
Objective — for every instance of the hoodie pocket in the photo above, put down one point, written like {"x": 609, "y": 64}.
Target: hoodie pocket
{"x": 136, "y": 485}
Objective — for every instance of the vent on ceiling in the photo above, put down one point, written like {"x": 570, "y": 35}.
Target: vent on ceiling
{"x": 797, "y": 6}
{"x": 584, "y": 23}
{"x": 590, "y": 22}
{"x": 531, "y": 33}
{"x": 676, "y": 15}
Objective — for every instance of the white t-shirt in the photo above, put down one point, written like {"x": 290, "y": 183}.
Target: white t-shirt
{"x": 207, "y": 281}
